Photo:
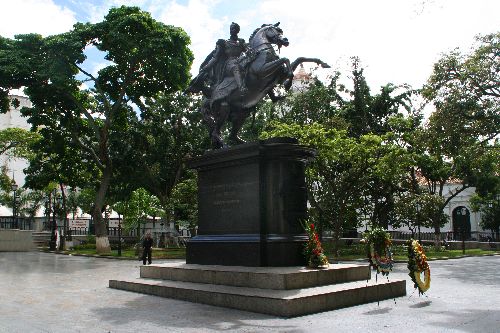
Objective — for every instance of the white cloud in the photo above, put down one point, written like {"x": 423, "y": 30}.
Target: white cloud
{"x": 197, "y": 20}
{"x": 34, "y": 16}
{"x": 397, "y": 41}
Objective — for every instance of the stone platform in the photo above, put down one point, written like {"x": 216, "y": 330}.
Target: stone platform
{"x": 15, "y": 240}
{"x": 279, "y": 291}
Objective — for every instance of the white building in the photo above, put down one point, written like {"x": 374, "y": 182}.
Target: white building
{"x": 13, "y": 118}
{"x": 15, "y": 167}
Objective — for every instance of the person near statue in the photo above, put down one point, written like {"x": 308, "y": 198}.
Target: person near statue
{"x": 147, "y": 248}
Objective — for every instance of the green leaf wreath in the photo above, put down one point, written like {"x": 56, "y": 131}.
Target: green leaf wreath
{"x": 378, "y": 250}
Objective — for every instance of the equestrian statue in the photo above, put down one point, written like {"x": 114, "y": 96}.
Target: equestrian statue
{"x": 236, "y": 76}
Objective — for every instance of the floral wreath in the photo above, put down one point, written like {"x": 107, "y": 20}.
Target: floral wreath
{"x": 313, "y": 250}
{"x": 417, "y": 263}
{"x": 378, "y": 250}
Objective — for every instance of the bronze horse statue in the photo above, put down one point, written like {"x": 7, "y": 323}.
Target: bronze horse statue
{"x": 262, "y": 71}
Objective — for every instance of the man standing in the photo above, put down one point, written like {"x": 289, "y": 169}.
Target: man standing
{"x": 147, "y": 245}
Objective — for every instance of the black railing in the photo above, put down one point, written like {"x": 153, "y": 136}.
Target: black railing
{"x": 16, "y": 223}
{"x": 481, "y": 236}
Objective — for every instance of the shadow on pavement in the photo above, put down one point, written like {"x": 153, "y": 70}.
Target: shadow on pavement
{"x": 472, "y": 321}
{"x": 165, "y": 313}
{"x": 421, "y": 305}
{"x": 378, "y": 311}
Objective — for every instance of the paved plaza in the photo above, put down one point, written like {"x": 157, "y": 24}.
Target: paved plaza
{"x": 42, "y": 292}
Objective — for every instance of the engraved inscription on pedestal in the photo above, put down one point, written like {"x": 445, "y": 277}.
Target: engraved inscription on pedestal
{"x": 228, "y": 203}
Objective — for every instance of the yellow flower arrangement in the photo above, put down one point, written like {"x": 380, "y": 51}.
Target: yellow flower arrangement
{"x": 417, "y": 264}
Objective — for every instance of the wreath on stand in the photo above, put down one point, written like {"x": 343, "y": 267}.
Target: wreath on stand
{"x": 378, "y": 250}
{"x": 417, "y": 264}
{"x": 313, "y": 250}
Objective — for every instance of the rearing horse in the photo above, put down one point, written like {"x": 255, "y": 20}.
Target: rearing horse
{"x": 264, "y": 71}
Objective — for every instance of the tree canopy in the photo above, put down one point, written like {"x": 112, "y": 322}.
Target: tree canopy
{"x": 143, "y": 57}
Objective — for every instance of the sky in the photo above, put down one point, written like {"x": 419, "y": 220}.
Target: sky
{"x": 397, "y": 41}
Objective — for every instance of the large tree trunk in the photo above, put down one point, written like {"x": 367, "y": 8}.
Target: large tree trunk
{"x": 437, "y": 237}
{"x": 101, "y": 232}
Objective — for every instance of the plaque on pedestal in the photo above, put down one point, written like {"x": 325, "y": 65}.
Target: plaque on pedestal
{"x": 251, "y": 202}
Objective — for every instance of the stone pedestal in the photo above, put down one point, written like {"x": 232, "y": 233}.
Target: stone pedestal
{"x": 251, "y": 201}
{"x": 278, "y": 291}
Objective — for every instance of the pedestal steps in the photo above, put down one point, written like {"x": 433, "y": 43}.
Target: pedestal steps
{"x": 279, "y": 291}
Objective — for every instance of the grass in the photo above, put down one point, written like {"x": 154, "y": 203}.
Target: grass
{"x": 352, "y": 252}
{"x": 357, "y": 251}
{"x": 170, "y": 253}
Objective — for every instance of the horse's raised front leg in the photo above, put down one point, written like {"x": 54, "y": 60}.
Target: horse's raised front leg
{"x": 288, "y": 82}
{"x": 270, "y": 68}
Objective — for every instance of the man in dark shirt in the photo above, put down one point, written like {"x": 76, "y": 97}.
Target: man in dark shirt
{"x": 147, "y": 245}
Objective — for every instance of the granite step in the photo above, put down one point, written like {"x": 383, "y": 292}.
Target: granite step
{"x": 258, "y": 277}
{"x": 283, "y": 303}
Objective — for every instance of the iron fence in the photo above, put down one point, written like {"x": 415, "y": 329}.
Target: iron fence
{"x": 481, "y": 236}
{"x": 16, "y": 223}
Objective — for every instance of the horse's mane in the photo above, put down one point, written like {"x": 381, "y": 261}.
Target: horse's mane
{"x": 255, "y": 32}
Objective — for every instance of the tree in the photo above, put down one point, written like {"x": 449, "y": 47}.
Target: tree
{"x": 17, "y": 142}
{"x": 184, "y": 203}
{"x": 488, "y": 204}
{"x": 468, "y": 87}
{"x": 143, "y": 58}
{"x": 138, "y": 208}
{"x": 458, "y": 142}
{"x": 155, "y": 148}
{"x": 337, "y": 178}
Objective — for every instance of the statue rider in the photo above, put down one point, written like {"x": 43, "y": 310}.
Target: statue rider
{"x": 220, "y": 75}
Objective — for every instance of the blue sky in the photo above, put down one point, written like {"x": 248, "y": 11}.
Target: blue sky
{"x": 397, "y": 41}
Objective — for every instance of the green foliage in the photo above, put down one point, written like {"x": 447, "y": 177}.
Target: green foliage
{"x": 424, "y": 209}
{"x": 17, "y": 142}
{"x": 489, "y": 206}
{"x": 184, "y": 202}
{"x": 465, "y": 88}
{"x": 379, "y": 239}
{"x": 138, "y": 208}
{"x": 343, "y": 170}
{"x": 144, "y": 57}
{"x": 85, "y": 199}
{"x": 153, "y": 152}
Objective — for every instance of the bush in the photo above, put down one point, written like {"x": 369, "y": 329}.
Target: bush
{"x": 84, "y": 246}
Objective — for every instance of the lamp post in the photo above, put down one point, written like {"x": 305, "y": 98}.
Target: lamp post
{"x": 14, "y": 188}
{"x": 418, "y": 222}
{"x": 463, "y": 215}
{"x": 497, "y": 197}
{"x": 53, "y": 236}
{"x": 119, "y": 235}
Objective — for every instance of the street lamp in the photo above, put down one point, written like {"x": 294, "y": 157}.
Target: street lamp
{"x": 463, "y": 213}
{"x": 418, "y": 222}
{"x": 53, "y": 236}
{"x": 14, "y": 188}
